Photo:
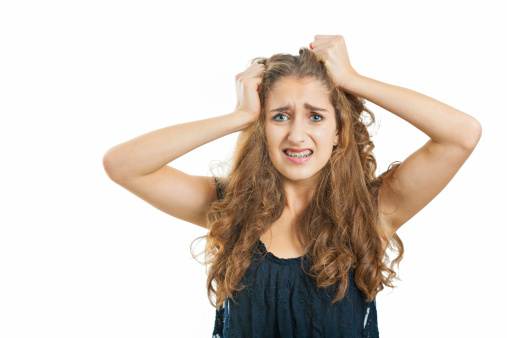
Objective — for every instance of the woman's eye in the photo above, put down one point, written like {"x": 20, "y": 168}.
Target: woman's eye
{"x": 318, "y": 116}
{"x": 275, "y": 118}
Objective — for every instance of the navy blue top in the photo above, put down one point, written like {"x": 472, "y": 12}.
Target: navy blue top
{"x": 281, "y": 300}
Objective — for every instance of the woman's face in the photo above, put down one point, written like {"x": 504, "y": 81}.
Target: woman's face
{"x": 300, "y": 120}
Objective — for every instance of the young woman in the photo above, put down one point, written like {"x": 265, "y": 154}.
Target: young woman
{"x": 299, "y": 227}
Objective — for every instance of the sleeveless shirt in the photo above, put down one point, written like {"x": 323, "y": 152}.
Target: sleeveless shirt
{"x": 281, "y": 300}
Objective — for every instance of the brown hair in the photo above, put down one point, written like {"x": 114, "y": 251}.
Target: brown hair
{"x": 339, "y": 229}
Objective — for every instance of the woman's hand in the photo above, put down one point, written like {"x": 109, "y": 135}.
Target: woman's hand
{"x": 247, "y": 85}
{"x": 331, "y": 49}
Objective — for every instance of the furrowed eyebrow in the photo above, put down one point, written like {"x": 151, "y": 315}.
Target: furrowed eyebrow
{"x": 307, "y": 106}
{"x": 310, "y": 107}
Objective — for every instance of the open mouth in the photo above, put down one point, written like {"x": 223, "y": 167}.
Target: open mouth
{"x": 303, "y": 154}
{"x": 298, "y": 157}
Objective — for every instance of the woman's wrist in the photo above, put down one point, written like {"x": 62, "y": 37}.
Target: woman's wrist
{"x": 243, "y": 118}
{"x": 347, "y": 82}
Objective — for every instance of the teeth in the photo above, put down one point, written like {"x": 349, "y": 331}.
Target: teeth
{"x": 299, "y": 155}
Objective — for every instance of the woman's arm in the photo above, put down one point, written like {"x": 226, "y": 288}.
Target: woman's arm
{"x": 442, "y": 123}
{"x": 140, "y": 165}
{"x": 149, "y": 152}
{"x": 425, "y": 173}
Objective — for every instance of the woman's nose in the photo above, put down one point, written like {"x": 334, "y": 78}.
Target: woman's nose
{"x": 297, "y": 131}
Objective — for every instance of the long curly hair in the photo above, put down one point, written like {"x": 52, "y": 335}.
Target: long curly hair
{"x": 339, "y": 229}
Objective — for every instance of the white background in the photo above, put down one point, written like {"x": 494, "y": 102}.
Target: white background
{"x": 80, "y": 256}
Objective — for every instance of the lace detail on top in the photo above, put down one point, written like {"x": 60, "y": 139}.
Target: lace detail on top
{"x": 261, "y": 246}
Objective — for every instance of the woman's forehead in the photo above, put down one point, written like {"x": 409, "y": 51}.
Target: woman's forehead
{"x": 290, "y": 88}
{"x": 298, "y": 98}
